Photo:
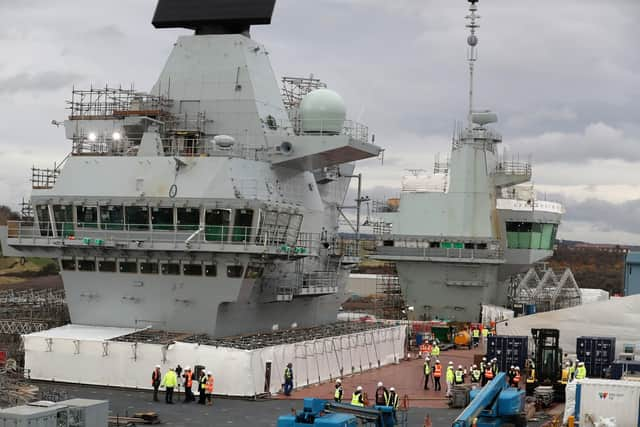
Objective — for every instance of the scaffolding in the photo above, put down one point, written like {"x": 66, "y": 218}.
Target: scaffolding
{"x": 44, "y": 179}
{"x": 110, "y": 103}
{"x": 548, "y": 290}
{"x": 295, "y": 88}
{"x": 389, "y": 302}
{"x": 31, "y": 310}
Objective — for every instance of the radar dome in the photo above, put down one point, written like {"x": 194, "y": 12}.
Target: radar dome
{"x": 322, "y": 111}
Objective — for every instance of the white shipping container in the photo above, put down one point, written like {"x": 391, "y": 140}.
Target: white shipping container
{"x": 596, "y": 398}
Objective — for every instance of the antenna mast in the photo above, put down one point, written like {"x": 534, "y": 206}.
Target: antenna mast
{"x": 472, "y": 53}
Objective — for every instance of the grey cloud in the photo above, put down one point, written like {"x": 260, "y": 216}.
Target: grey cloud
{"x": 603, "y": 215}
{"x": 44, "y": 81}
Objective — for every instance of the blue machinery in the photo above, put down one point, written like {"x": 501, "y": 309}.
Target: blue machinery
{"x": 494, "y": 405}
{"x": 318, "y": 412}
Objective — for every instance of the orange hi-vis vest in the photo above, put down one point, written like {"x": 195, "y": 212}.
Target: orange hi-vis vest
{"x": 437, "y": 370}
{"x": 210, "y": 384}
{"x": 516, "y": 379}
{"x": 189, "y": 377}
{"x": 488, "y": 373}
{"x": 423, "y": 348}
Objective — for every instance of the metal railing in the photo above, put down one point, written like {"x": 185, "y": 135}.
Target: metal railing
{"x": 178, "y": 236}
{"x": 514, "y": 168}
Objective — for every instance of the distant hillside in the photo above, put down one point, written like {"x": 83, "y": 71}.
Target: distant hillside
{"x": 597, "y": 266}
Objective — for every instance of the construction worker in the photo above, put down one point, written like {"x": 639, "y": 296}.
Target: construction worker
{"x": 475, "y": 334}
{"x": 337, "y": 395}
{"x": 427, "y": 372}
{"x": 565, "y": 373}
{"x": 382, "y": 395}
{"x": 516, "y": 377}
{"x": 179, "y": 375}
{"x": 476, "y": 374}
{"x": 156, "y": 379}
{"x": 485, "y": 334}
{"x": 494, "y": 366}
{"x": 437, "y": 373}
{"x": 435, "y": 351}
{"x": 483, "y": 364}
{"x": 459, "y": 375}
{"x": 581, "y": 372}
{"x": 288, "y": 379}
{"x": 394, "y": 398}
{"x": 488, "y": 375}
{"x": 450, "y": 377}
{"x": 188, "y": 383}
{"x": 209, "y": 388}
{"x": 169, "y": 382}
{"x": 202, "y": 388}
{"x": 511, "y": 373}
{"x": 572, "y": 368}
{"x": 356, "y": 398}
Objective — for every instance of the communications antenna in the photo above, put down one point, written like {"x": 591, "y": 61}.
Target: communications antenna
{"x": 472, "y": 53}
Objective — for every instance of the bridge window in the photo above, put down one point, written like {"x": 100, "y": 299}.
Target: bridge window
{"x": 242, "y": 225}
{"x": 162, "y": 218}
{"x": 128, "y": 267}
{"x": 64, "y": 220}
{"x": 149, "y": 267}
{"x": 42, "y": 211}
{"x": 217, "y": 224}
{"x": 170, "y": 269}
{"x": 107, "y": 266}
{"x": 68, "y": 264}
{"x": 210, "y": 270}
{"x": 87, "y": 216}
{"x": 234, "y": 271}
{"x": 192, "y": 269}
{"x": 531, "y": 235}
{"x": 137, "y": 218}
{"x": 188, "y": 219}
{"x": 86, "y": 265}
{"x": 112, "y": 217}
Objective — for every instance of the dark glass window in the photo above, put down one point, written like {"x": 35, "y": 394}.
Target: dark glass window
{"x": 242, "y": 225}
{"x": 253, "y": 272}
{"x": 137, "y": 218}
{"x": 149, "y": 267}
{"x": 43, "y": 220}
{"x": 86, "y": 265}
{"x": 234, "y": 270}
{"x": 111, "y": 217}
{"x": 162, "y": 218}
{"x": 128, "y": 267}
{"x": 87, "y": 216}
{"x": 192, "y": 269}
{"x": 171, "y": 269}
{"x": 217, "y": 224}
{"x": 68, "y": 264}
{"x": 63, "y": 216}
{"x": 210, "y": 270}
{"x": 188, "y": 218}
{"x": 107, "y": 266}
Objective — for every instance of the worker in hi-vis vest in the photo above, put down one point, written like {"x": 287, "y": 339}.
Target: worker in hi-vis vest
{"x": 357, "y": 399}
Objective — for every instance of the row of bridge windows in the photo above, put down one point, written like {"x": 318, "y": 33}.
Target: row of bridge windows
{"x": 156, "y": 267}
{"x": 531, "y": 235}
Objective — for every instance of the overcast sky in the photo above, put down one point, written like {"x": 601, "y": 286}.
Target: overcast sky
{"x": 564, "y": 77}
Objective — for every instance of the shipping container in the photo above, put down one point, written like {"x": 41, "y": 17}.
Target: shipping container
{"x": 622, "y": 367}
{"x": 509, "y": 350}
{"x": 597, "y": 353}
{"x": 598, "y": 398}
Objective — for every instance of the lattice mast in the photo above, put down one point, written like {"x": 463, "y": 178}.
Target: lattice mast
{"x": 472, "y": 52}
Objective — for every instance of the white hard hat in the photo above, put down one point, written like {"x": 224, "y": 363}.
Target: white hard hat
{"x": 158, "y": 366}
{"x": 450, "y": 362}
{"x": 209, "y": 373}
{"x": 188, "y": 368}
{"x": 512, "y": 367}
{"x": 359, "y": 388}
{"x": 474, "y": 366}
{"x": 517, "y": 368}
{"x": 339, "y": 381}
{"x": 380, "y": 384}
{"x": 427, "y": 358}
{"x": 437, "y": 360}
{"x": 484, "y": 358}
{"x": 581, "y": 364}
{"x": 459, "y": 366}
{"x": 392, "y": 389}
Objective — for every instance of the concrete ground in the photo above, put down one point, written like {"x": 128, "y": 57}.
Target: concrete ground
{"x": 231, "y": 412}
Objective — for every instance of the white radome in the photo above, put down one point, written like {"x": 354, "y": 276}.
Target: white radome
{"x": 322, "y": 111}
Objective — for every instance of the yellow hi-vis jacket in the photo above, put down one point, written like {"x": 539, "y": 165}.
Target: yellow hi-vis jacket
{"x": 170, "y": 380}
{"x": 356, "y": 399}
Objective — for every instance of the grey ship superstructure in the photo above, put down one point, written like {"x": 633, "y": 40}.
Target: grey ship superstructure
{"x": 459, "y": 235}
{"x": 205, "y": 205}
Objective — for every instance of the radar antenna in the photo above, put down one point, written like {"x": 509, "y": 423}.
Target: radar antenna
{"x": 472, "y": 53}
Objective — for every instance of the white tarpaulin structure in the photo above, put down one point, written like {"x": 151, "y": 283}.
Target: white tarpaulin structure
{"x": 593, "y": 295}
{"x": 92, "y": 355}
{"x": 494, "y": 313}
{"x": 617, "y": 317}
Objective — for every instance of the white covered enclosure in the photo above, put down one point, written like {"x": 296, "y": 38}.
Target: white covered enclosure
{"x": 617, "y": 317}
{"x": 94, "y": 355}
